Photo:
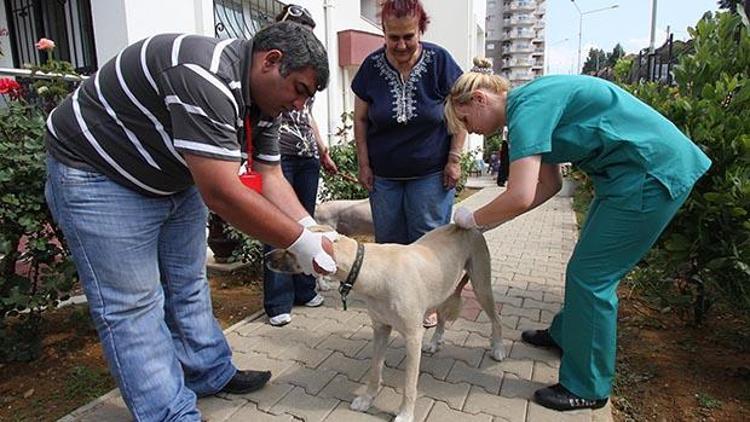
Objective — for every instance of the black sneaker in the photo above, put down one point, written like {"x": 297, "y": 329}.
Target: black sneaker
{"x": 540, "y": 338}
{"x": 244, "y": 382}
{"x": 559, "y": 398}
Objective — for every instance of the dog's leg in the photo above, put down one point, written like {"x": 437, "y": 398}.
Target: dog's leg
{"x": 413, "y": 358}
{"x": 481, "y": 281}
{"x": 483, "y": 292}
{"x": 381, "y": 334}
{"x": 323, "y": 284}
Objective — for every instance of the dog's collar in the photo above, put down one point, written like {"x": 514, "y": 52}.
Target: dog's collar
{"x": 346, "y": 285}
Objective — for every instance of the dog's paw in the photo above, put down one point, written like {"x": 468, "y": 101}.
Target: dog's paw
{"x": 324, "y": 285}
{"x": 362, "y": 403}
{"x": 404, "y": 417}
{"x": 498, "y": 352}
{"x": 432, "y": 347}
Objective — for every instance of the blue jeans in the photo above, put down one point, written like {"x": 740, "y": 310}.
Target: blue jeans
{"x": 282, "y": 291}
{"x": 404, "y": 210}
{"x": 141, "y": 262}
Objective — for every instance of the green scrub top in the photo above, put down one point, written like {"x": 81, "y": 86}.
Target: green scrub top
{"x": 605, "y": 131}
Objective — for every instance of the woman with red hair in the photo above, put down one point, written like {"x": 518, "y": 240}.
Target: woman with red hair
{"x": 407, "y": 158}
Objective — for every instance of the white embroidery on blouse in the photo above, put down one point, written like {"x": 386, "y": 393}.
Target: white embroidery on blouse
{"x": 403, "y": 94}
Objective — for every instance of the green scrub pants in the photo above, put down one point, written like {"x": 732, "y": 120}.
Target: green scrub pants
{"x": 611, "y": 243}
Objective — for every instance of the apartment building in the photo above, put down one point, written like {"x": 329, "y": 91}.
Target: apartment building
{"x": 515, "y": 38}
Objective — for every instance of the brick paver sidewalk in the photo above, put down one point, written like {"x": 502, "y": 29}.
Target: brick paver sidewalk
{"x": 320, "y": 361}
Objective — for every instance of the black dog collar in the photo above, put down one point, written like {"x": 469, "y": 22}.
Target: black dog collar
{"x": 346, "y": 286}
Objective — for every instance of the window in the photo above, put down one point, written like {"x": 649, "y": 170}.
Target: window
{"x": 67, "y": 22}
{"x": 368, "y": 10}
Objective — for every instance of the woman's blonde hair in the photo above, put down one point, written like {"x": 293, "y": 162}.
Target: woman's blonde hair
{"x": 479, "y": 77}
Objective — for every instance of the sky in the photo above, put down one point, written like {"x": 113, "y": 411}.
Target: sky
{"x": 629, "y": 24}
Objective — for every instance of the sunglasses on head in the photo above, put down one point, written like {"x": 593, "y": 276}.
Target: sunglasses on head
{"x": 295, "y": 11}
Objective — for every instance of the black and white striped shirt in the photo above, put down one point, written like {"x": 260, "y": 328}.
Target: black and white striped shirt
{"x": 161, "y": 97}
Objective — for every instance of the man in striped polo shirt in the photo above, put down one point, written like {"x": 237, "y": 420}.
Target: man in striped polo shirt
{"x": 135, "y": 155}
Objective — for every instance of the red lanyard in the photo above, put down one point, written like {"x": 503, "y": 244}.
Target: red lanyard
{"x": 249, "y": 141}
{"x": 250, "y": 179}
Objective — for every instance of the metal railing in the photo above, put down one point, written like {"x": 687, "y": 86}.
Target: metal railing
{"x": 67, "y": 22}
{"x": 243, "y": 18}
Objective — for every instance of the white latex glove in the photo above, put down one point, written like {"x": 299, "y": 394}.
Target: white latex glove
{"x": 464, "y": 218}
{"x": 308, "y": 247}
{"x": 307, "y": 222}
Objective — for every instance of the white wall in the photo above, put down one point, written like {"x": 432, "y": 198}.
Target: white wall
{"x": 119, "y": 23}
{"x": 7, "y": 59}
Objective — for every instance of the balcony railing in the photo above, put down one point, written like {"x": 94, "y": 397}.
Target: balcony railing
{"x": 523, "y": 6}
{"x": 243, "y": 18}
{"x": 67, "y": 22}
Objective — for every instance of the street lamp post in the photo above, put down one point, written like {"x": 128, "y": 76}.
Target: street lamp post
{"x": 580, "y": 24}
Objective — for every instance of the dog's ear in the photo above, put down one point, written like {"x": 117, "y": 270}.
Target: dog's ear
{"x": 282, "y": 261}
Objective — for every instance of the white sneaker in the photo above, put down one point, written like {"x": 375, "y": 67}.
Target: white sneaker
{"x": 280, "y": 320}
{"x": 315, "y": 302}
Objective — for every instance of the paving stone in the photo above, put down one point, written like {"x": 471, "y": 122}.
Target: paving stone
{"x": 219, "y": 409}
{"x": 481, "y": 328}
{"x": 507, "y": 299}
{"x": 250, "y": 327}
{"x": 388, "y": 401}
{"x": 540, "y": 414}
{"x": 479, "y": 401}
{"x": 393, "y": 355}
{"x": 342, "y": 413}
{"x": 515, "y": 387}
{"x": 269, "y": 395}
{"x": 537, "y": 304}
{"x": 476, "y": 377}
{"x": 524, "y": 351}
{"x": 527, "y": 324}
{"x": 260, "y": 362}
{"x": 453, "y": 394}
{"x": 342, "y": 388}
{"x": 304, "y": 406}
{"x": 311, "y": 358}
{"x": 545, "y": 373}
{"x": 343, "y": 345}
{"x": 250, "y": 412}
{"x": 390, "y": 377}
{"x": 553, "y": 298}
{"x": 284, "y": 336}
{"x": 525, "y": 294}
{"x": 471, "y": 356}
{"x": 112, "y": 409}
{"x": 519, "y": 368}
{"x": 437, "y": 367}
{"x": 312, "y": 380}
{"x": 547, "y": 317}
{"x": 452, "y": 336}
{"x": 442, "y": 413}
{"x": 353, "y": 369}
{"x": 531, "y": 314}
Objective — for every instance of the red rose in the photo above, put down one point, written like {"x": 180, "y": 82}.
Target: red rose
{"x": 11, "y": 87}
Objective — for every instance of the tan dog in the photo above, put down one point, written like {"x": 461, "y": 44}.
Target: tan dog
{"x": 399, "y": 283}
{"x": 348, "y": 217}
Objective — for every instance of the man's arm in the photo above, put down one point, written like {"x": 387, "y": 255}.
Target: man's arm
{"x": 278, "y": 191}
{"x": 241, "y": 207}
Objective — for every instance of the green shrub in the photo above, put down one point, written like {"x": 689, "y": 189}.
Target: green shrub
{"x": 36, "y": 271}
{"x": 708, "y": 242}
{"x": 344, "y": 154}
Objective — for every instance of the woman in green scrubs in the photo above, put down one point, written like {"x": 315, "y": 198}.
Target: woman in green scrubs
{"x": 642, "y": 168}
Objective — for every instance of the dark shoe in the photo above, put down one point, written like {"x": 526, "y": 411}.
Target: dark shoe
{"x": 559, "y": 398}
{"x": 539, "y": 338}
{"x": 244, "y": 382}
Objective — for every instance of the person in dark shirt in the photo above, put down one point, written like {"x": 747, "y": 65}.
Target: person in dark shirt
{"x": 303, "y": 152}
{"x": 136, "y": 154}
{"x": 407, "y": 159}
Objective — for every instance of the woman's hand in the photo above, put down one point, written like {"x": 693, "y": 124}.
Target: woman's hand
{"x": 451, "y": 174}
{"x": 327, "y": 162}
{"x": 365, "y": 177}
{"x": 464, "y": 218}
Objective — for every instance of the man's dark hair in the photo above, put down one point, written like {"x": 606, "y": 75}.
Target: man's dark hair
{"x": 300, "y": 47}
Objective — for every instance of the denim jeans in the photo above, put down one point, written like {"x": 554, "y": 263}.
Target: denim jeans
{"x": 404, "y": 210}
{"x": 141, "y": 262}
{"x": 282, "y": 291}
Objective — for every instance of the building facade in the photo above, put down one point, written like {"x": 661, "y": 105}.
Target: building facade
{"x": 516, "y": 39}
{"x": 88, "y": 33}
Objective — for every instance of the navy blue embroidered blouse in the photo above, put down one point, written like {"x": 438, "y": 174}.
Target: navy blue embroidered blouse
{"x": 406, "y": 131}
